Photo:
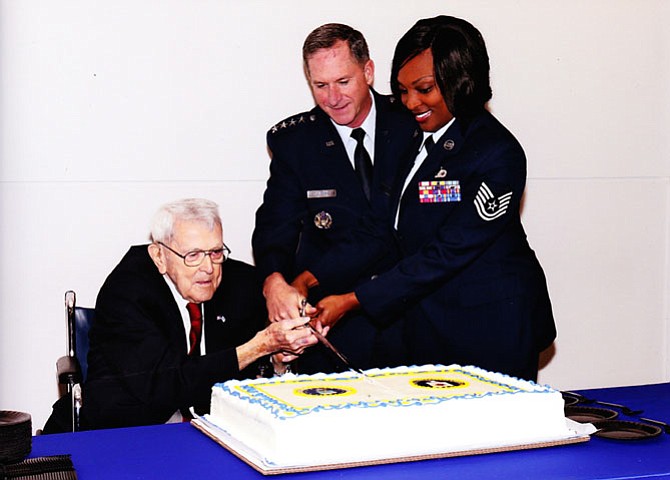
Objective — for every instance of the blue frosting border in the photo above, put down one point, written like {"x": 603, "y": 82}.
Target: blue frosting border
{"x": 251, "y": 393}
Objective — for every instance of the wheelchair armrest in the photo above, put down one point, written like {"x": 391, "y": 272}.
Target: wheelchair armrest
{"x": 68, "y": 370}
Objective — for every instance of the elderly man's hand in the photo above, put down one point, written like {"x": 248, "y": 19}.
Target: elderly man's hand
{"x": 290, "y": 336}
{"x": 282, "y": 360}
{"x": 334, "y": 307}
{"x": 285, "y": 336}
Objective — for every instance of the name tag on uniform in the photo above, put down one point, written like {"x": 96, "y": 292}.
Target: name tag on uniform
{"x": 331, "y": 193}
{"x": 439, "y": 191}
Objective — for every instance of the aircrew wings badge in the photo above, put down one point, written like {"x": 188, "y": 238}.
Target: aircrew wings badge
{"x": 488, "y": 206}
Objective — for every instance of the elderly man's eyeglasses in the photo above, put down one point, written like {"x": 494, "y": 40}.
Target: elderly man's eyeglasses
{"x": 196, "y": 257}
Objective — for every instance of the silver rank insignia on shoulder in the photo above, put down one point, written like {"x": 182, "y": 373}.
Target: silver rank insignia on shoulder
{"x": 323, "y": 220}
{"x": 441, "y": 173}
{"x": 489, "y": 207}
{"x": 292, "y": 122}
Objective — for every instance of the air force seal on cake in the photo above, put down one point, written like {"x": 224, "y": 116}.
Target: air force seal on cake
{"x": 324, "y": 391}
{"x": 489, "y": 207}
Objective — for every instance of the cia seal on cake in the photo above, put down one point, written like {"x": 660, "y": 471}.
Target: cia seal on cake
{"x": 437, "y": 383}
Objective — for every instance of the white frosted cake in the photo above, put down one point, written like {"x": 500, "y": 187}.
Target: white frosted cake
{"x": 389, "y": 413}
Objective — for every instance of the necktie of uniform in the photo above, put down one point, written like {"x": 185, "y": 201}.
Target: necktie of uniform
{"x": 362, "y": 162}
{"x": 195, "y": 334}
{"x": 428, "y": 144}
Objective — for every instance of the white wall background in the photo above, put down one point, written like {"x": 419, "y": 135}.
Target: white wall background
{"x": 110, "y": 108}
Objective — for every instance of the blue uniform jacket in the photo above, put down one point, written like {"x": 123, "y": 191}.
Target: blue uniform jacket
{"x": 471, "y": 288}
{"x": 313, "y": 197}
{"x": 313, "y": 200}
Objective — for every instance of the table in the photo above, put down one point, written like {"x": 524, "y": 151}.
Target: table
{"x": 180, "y": 451}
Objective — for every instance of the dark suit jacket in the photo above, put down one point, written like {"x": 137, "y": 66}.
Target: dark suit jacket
{"x": 471, "y": 288}
{"x": 139, "y": 372}
{"x": 311, "y": 176}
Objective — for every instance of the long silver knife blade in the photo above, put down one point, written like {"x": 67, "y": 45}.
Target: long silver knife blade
{"x": 326, "y": 342}
{"x": 332, "y": 348}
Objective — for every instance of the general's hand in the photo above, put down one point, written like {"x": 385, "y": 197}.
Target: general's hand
{"x": 282, "y": 300}
{"x": 334, "y": 307}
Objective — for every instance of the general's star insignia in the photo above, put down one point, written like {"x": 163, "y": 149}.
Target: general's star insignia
{"x": 489, "y": 207}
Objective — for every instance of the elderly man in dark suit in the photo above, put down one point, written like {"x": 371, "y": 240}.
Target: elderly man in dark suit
{"x": 171, "y": 320}
{"x": 329, "y": 166}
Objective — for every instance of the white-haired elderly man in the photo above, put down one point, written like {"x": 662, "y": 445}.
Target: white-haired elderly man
{"x": 148, "y": 363}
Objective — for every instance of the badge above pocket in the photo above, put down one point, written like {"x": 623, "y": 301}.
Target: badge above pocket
{"x": 323, "y": 220}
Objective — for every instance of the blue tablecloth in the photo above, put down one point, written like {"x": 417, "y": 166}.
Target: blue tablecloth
{"x": 181, "y": 451}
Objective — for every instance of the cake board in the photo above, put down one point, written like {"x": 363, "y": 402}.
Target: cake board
{"x": 252, "y": 459}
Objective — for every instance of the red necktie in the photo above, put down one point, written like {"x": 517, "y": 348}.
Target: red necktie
{"x": 196, "y": 328}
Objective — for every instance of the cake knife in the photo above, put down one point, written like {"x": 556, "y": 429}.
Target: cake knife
{"x": 326, "y": 342}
